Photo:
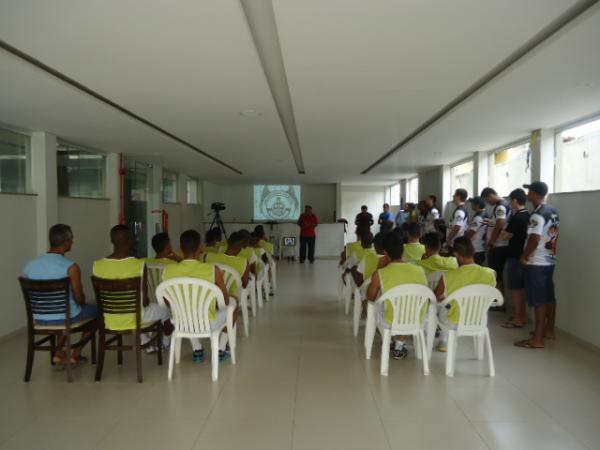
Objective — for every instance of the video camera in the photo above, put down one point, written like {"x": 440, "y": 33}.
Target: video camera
{"x": 217, "y": 206}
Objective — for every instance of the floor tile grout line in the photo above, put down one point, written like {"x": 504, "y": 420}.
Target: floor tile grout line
{"x": 293, "y": 430}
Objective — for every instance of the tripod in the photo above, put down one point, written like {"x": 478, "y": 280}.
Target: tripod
{"x": 218, "y": 222}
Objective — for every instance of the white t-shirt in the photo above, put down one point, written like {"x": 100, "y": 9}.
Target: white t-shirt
{"x": 430, "y": 218}
{"x": 545, "y": 223}
{"x": 500, "y": 211}
{"x": 461, "y": 219}
{"x": 479, "y": 226}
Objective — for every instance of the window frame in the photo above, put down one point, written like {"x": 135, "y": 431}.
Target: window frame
{"x": 91, "y": 151}
{"x": 27, "y": 183}
{"x": 187, "y": 191}
{"x": 492, "y": 154}
{"x": 470, "y": 159}
{"x": 162, "y": 186}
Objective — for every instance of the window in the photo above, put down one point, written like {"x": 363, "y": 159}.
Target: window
{"x": 412, "y": 190}
{"x": 578, "y": 158}
{"x": 14, "y": 151}
{"x": 461, "y": 177}
{"x": 169, "y": 187}
{"x": 192, "y": 192}
{"x": 511, "y": 169}
{"x": 80, "y": 172}
{"x": 395, "y": 194}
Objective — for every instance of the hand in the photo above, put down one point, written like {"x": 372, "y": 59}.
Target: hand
{"x": 524, "y": 260}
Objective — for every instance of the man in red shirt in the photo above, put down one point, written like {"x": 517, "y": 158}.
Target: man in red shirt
{"x": 308, "y": 223}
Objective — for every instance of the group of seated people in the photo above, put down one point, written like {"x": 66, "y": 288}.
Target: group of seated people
{"x": 241, "y": 252}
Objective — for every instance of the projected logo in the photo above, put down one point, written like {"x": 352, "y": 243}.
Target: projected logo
{"x": 276, "y": 202}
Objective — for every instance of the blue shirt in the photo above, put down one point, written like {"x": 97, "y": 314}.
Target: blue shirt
{"x": 51, "y": 266}
{"x": 386, "y": 217}
{"x": 401, "y": 217}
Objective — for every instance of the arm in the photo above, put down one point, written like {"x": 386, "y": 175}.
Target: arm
{"x": 505, "y": 235}
{"x": 453, "y": 232}
{"x": 496, "y": 233}
{"x": 75, "y": 276}
{"x": 357, "y": 276}
{"x": 532, "y": 243}
{"x": 220, "y": 282}
{"x": 246, "y": 276}
{"x": 440, "y": 289}
{"x": 373, "y": 291}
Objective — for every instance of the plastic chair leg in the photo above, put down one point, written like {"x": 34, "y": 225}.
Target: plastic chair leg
{"x": 370, "y": 331}
{"x": 244, "y": 306}
{"x": 252, "y": 290}
{"x": 418, "y": 346}
{"x": 385, "y": 352}
{"x": 490, "y": 354}
{"x": 232, "y": 335}
{"x": 178, "y": 351}
{"x": 357, "y": 312}
{"x": 214, "y": 353}
{"x": 259, "y": 293}
{"x": 451, "y": 354}
{"x": 347, "y": 299}
{"x": 172, "y": 350}
{"x": 431, "y": 327}
{"x": 424, "y": 350}
{"x": 479, "y": 342}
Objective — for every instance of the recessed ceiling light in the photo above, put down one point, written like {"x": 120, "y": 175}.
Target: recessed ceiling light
{"x": 250, "y": 113}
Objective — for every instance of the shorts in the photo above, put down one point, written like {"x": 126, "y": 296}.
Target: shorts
{"x": 515, "y": 278}
{"x": 496, "y": 261}
{"x": 539, "y": 285}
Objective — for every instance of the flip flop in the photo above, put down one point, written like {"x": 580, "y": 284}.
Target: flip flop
{"x": 526, "y": 344}
{"x": 509, "y": 324}
{"x": 552, "y": 338}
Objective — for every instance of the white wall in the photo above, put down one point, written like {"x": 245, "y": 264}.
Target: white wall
{"x": 431, "y": 182}
{"x": 182, "y": 217}
{"x": 18, "y": 244}
{"x": 353, "y": 197}
{"x": 578, "y": 302}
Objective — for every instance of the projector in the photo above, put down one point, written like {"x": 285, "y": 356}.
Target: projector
{"x": 217, "y": 206}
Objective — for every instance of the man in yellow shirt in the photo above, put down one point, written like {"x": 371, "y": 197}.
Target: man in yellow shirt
{"x": 432, "y": 261}
{"x": 396, "y": 273}
{"x": 161, "y": 243}
{"x": 230, "y": 258}
{"x": 191, "y": 267}
{"x": 413, "y": 249}
{"x": 467, "y": 274}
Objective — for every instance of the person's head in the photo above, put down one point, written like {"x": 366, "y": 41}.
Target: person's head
{"x": 61, "y": 238}
{"x": 254, "y": 239}
{"x": 477, "y": 204}
{"x": 120, "y": 237}
{"x": 259, "y": 229}
{"x": 378, "y": 243}
{"x": 308, "y": 210}
{"x": 364, "y": 208}
{"x": 413, "y": 231}
{"x": 463, "y": 250}
{"x": 537, "y": 192}
{"x": 386, "y": 207}
{"x": 410, "y": 207}
{"x": 245, "y": 234}
{"x": 161, "y": 243}
{"x": 190, "y": 244}
{"x": 422, "y": 207}
{"x": 217, "y": 234}
{"x": 432, "y": 243}
{"x": 490, "y": 196}
{"x": 210, "y": 237}
{"x": 235, "y": 243}
{"x": 366, "y": 239}
{"x": 430, "y": 201}
{"x": 393, "y": 246}
{"x": 518, "y": 199}
{"x": 460, "y": 196}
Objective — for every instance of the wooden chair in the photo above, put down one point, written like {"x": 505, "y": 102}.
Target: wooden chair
{"x": 120, "y": 298}
{"x": 53, "y": 297}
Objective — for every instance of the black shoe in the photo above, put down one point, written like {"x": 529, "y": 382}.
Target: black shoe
{"x": 400, "y": 354}
{"x": 312, "y": 261}
{"x": 301, "y": 261}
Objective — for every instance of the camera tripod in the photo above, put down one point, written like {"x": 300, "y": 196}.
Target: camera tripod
{"x": 218, "y": 222}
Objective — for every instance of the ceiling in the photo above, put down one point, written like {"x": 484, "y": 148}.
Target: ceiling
{"x": 361, "y": 76}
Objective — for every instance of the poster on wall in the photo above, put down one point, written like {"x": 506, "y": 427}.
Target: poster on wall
{"x": 277, "y": 202}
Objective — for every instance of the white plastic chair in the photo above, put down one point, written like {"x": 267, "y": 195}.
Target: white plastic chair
{"x": 252, "y": 291}
{"x": 433, "y": 280}
{"x": 359, "y": 295}
{"x": 189, "y": 300}
{"x": 155, "y": 271}
{"x": 407, "y": 302}
{"x": 262, "y": 281}
{"x": 273, "y": 269}
{"x": 232, "y": 277}
{"x": 473, "y": 305}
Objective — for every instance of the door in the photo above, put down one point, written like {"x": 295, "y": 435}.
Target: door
{"x": 137, "y": 188}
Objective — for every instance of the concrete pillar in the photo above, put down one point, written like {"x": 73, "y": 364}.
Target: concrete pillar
{"x": 481, "y": 172}
{"x": 44, "y": 183}
{"x": 338, "y": 201}
{"x": 403, "y": 192}
{"x": 542, "y": 156}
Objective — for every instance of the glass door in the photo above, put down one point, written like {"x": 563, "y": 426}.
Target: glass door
{"x": 137, "y": 186}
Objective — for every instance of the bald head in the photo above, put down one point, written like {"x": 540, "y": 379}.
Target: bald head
{"x": 120, "y": 237}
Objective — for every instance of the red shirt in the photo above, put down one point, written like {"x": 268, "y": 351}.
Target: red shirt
{"x": 308, "y": 223}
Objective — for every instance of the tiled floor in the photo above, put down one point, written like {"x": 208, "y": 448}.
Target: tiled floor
{"x": 302, "y": 382}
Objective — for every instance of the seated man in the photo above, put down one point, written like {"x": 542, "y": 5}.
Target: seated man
{"x": 192, "y": 267}
{"x": 230, "y": 258}
{"x": 413, "y": 249}
{"x": 353, "y": 250}
{"x": 53, "y": 266}
{"x": 212, "y": 238}
{"x": 432, "y": 261}
{"x": 396, "y": 273}
{"x": 369, "y": 262}
{"x": 468, "y": 273}
{"x": 120, "y": 265}
{"x": 161, "y": 243}
{"x": 264, "y": 241}
{"x": 248, "y": 251}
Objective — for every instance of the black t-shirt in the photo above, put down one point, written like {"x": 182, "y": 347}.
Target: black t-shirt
{"x": 364, "y": 219}
{"x": 517, "y": 226}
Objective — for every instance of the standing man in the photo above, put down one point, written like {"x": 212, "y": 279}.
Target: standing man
{"x": 460, "y": 218}
{"x": 386, "y": 219}
{"x": 538, "y": 259}
{"x": 308, "y": 223}
{"x": 497, "y": 246}
{"x": 431, "y": 214}
{"x": 364, "y": 219}
{"x": 477, "y": 229}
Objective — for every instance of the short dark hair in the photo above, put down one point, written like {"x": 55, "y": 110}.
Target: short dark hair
{"x": 59, "y": 234}
{"x": 519, "y": 195}
{"x": 308, "y": 206}
{"x": 432, "y": 241}
{"x": 260, "y": 230}
{"x": 363, "y": 207}
{"x": 160, "y": 241}
{"x": 413, "y": 229}
{"x": 477, "y": 201}
{"x": 488, "y": 191}
{"x": 119, "y": 233}
{"x": 393, "y": 245}
{"x": 461, "y": 193}
{"x": 189, "y": 241}
{"x": 463, "y": 247}
{"x": 434, "y": 198}
{"x": 378, "y": 241}
{"x": 235, "y": 238}
{"x": 366, "y": 239}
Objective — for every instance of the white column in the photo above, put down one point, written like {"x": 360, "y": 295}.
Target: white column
{"x": 338, "y": 201}
{"x": 44, "y": 183}
{"x": 542, "y": 156}
{"x": 403, "y": 191}
{"x": 481, "y": 172}
{"x": 113, "y": 187}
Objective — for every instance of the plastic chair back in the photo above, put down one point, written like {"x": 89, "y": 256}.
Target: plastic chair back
{"x": 155, "y": 273}
{"x": 473, "y": 304}
{"x": 231, "y": 277}
{"x": 407, "y": 302}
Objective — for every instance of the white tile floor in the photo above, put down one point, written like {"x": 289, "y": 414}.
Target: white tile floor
{"x": 302, "y": 382}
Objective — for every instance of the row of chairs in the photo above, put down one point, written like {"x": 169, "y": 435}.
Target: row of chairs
{"x": 408, "y": 302}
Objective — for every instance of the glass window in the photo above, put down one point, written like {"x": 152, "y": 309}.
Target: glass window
{"x": 192, "y": 192}
{"x": 461, "y": 177}
{"x": 511, "y": 169}
{"x": 412, "y": 190}
{"x": 169, "y": 187}
{"x": 395, "y": 194}
{"x": 578, "y": 158}
{"x": 14, "y": 150}
{"x": 80, "y": 172}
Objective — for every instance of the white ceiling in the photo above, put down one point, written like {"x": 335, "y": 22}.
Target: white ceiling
{"x": 362, "y": 76}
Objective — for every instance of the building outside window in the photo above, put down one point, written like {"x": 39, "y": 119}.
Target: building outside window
{"x": 461, "y": 177}
{"x": 412, "y": 190}
{"x": 80, "y": 172}
{"x": 511, "y": 168}
{"x": 192, "y": 192}
{"x": 169, "y": 187}
{"x": 395, "y": 194}
{"x": 14, "y": 153}
{"x": 578, "y": 158}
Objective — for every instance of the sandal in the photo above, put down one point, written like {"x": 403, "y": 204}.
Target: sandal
{"x": 511, "y": 324}
{"x": 526, "y": 344}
